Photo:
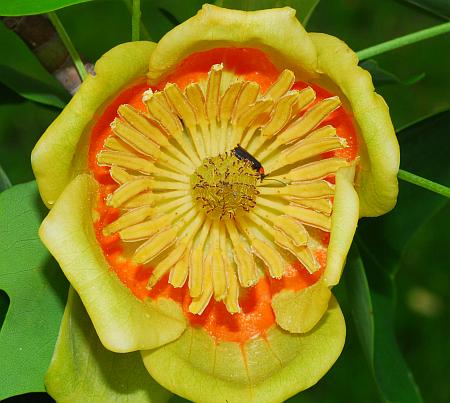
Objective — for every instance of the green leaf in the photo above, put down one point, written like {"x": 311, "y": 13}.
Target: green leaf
{"x": 373, "y": 315}
{"x": 424, "y": 300}
{"x": 5, "y": 183}
{"x": 304, "y": 8}
{"x": 29, "y": 7}
{"x": 92, "y": 42}
{"x": 180, "y": 10}
{"x": 424, "y": 147}
{"x": 160, "y": 16}
{"x": 382, "y": 77}
{"x": 21, "y": 71}
{"x": 36, "y": 289}
{"x": 22, "y": 122}
{"x": 83, "y": 370}
{"x": 382, "y": 241}
{"x": 441, "y": 8}
{"x": 359, "y": 299}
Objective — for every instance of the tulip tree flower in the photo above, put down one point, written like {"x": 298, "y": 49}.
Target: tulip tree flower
{"x": 204, "y": 193}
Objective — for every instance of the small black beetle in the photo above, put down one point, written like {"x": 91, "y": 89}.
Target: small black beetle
{"x": 242, "y": 154}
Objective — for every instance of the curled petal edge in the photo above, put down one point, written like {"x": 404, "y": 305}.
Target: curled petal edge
{"x": 262, "y": 370}
{"x": 61, "y": 152}
{"x": 376, "y": 180}
{"x": 122, "y": 322}
{"x": 69, "y": 379}
{"x": 276, "y": 32}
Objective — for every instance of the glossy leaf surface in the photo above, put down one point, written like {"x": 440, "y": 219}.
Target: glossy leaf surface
{"x": 382, "y": 77}
{"x": 5, "y": 183}
{"x": 21, "y": 71}
{"x": 441, "y": 8}
{"x": 29, "y": 7}
{"x": 381, "y": 244}
{"x": 36, "y": 289}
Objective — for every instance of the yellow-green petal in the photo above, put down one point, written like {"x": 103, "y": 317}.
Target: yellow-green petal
{"x": 299, "y": 311}
{"x": 122, "y": 322}
{"x": 376, "y": 182}
{"x": 82, "y": 370}
{"x": 262, "y": 371}
{"x": 344, "y": 221}
{"x": 276, "y": 32}
{"x": 61, "y": 152}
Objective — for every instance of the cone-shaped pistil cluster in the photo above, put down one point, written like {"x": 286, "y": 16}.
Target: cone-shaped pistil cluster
{"x": 190, "y": 207}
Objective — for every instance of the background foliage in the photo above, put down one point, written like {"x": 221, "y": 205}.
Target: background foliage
{"x": 396, "y": 284}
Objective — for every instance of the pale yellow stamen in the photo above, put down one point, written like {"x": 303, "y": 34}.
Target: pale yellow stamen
{"x": 115, "y": 144}
{"x": 265, "y": 251}
{"x": 218, "y": 268}
{"x": 187, "y": 113}
{"x": 142, "y": 199}
{"x": 293, "y": 229}
{"x": 199, "y": 303}
{"x": 195, "y": 96}
{"x": 228, "y": 101}
{"x": 248, "y": 116}
{"x": 232, "y": 298}
{"x": 164, "y": 173}
{"x": 159, "y": 242}
{"x": 169, "y": 261}
{"x": 321, "y": 133}
{"x": 127, "y": 161}
{"x": 314, "y": 170}
{"x": 128, "y": 219}
{"x": 270, "y": 256}
{"x": 128, "y": 190}
{"x": 148, "y": 228}
{"x": 247, "y": 96}
{"x": 306, "y": 97}
{"x": 282, "y": 85}
{"x": 301, "y": 253}
{"x": 302, "y": 126}
{"x": 243, "y": 257}
{"x": 213, "y": 92}
{"x": 321, "y": 205}
{"x": 168, "y": 185}
{"x": 151, "y": 130}
{"x": 312, "y": 189}
{"x": 177, "y": 252}
{"x": 256, "y": 215}
{"x": 162, "y": 113}
{"x": 143, "y": 125}
{"x": 155, "y": 245}
{"x": 310, "y": 217}
{"x": 181, "y": 105}
{"x": 304, "y": 150}
{"x": 278, "y": 121}
{"x": 309, "y": 120}
{"x": 281, "y": 115}
{"x": 179, "y": 273}
{"x": 120, "y": 175}
{"x": 144, "y": 230}
{"x": 196, "y": 262}
{"x": 135, "y": 139}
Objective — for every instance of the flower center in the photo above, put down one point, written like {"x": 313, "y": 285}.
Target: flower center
{"x": 225, "y": 186}
{"x": 190, "y": 197}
